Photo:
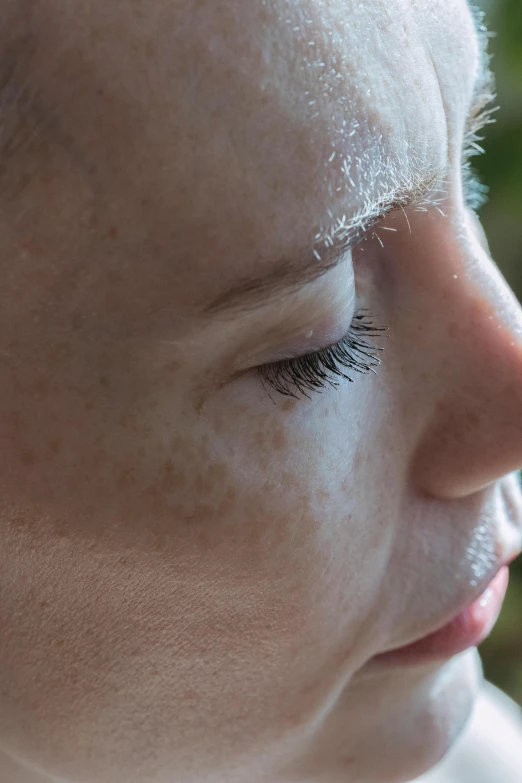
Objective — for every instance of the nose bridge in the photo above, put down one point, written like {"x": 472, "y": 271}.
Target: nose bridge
{"x": 473, "y": 435}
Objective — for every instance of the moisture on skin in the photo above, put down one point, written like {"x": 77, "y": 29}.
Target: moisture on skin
{"x": 193, "y": 572}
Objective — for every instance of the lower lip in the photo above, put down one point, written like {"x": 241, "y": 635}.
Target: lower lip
{"x": 468, "y": 629}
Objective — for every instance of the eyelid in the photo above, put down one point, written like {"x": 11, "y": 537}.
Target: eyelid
{"x": 320, "y": 369}
{"x": 319, "y": 338}
{"x": 281, "y": 330}
{"x": 318, "y": 334}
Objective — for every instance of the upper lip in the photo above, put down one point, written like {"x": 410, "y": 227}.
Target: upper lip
{"x": 511, "y": 490}
{"x": 469, "y": 599}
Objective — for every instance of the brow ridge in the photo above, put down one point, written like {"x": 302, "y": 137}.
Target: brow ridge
{"x": 329, "y": 249}
{"x": 333, "y": 242}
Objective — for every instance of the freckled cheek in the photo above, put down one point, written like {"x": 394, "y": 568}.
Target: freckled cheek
{"x": 190, "y": 528}
{"x": 252, "y": 490}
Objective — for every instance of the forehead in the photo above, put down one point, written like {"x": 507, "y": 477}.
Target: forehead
{"x": 228, "y": 131}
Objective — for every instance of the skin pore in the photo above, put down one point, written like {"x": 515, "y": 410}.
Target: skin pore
{"x": 195, "y": 569}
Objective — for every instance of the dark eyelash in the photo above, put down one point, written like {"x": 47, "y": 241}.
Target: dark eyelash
{"x": 315, "y": 371}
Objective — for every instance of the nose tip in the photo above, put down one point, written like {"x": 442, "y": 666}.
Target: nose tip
{"x": 474, "y": 436}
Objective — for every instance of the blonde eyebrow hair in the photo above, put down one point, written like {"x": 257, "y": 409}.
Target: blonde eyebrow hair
{"x": 328, "y": 250}
{"x": 333, "y": 241}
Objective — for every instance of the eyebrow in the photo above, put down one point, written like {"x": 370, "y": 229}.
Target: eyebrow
{"x": 328, "y": 251}
{"x": 331, "y": 244}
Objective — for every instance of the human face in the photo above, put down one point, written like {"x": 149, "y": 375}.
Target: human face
{"x": 198, "y": 571}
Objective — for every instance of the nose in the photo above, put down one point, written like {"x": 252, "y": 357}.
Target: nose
{"x": 472, "y": 432}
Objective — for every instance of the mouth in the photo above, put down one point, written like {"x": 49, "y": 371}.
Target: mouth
{"x": 467, "y": 627}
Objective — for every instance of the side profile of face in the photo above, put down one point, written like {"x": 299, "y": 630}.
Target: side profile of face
{"x": 200, "y": 559}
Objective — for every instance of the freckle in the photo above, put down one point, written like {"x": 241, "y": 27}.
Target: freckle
{"x": 113, "y": 232}
{"x": 72, "y": 484}
{"x": 289, "y": 405}
{"x": 100, "y": 455}
{"x": 172, "y": 478}
{"x": 76, "y": 322}
{"x": 114, "y": 277}
{"x": 472, "y": 419}
{"x": 228, "y": 504}
{"x": 199, "y": 485}
{"x": 89, "y": 405}
{"x": 218, "y": 472}
{"x": 127, "y": 420}
{"x": 168, "y": 467}
{"x": 289, "y": 479}
{"x": 172, "y": 366}
{"x": 453, "y": 329}
{"x": 177, "y": 445}
{"x": 152, "y": 492}
{"x": 60, "y": 350}
{"x": 200, "y": 514}
{"x": 41, "y": 385}
{"x": 203, "y": 453}
{"x": 103, "y": 381}
{"x": 126, "y": 478}
{"x": 280, "y": 440}
{"x": 56, "y": 445}
{"x": 28, "y": 458}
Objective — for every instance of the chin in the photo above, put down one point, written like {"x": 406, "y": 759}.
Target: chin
{"x": 393, "y": 725}
{"x": 432, "y": 708}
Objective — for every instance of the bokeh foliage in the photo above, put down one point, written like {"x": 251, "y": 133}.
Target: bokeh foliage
{"x": 501, "y": 170}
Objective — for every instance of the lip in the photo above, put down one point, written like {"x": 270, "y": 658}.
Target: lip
{"x": 468, "y": 626}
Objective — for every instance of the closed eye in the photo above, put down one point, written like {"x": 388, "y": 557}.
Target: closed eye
{"x": 318, "y": 370}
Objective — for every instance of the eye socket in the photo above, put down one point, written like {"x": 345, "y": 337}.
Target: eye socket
{"x": 318, "y": 370}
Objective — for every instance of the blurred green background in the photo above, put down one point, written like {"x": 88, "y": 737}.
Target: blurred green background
{"x": 501, "y": 170}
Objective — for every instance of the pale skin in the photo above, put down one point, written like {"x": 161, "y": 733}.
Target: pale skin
{"x": 196, "y": 572}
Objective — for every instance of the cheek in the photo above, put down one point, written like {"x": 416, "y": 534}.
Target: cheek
{"x": 292, "y": 498}
{"x": 151, "y": 562}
